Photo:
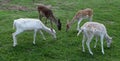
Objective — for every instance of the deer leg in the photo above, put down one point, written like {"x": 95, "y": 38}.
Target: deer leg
{"x": 79, "y": 24}
{"x": 83, "y": 43}
{"x": 90, "y": 18}
{"x": 88, "y": 43}
{"x": 96, "y": 42}
{"x": 34, "y": 37}
{"x": 40, "y": 15}
{"x": 51, "y": 25}
{"x": 42, "y": 35}
{"x": 14, "y": 37}
{"x": 102, "y": 37}
{"x": 46, "y": 21}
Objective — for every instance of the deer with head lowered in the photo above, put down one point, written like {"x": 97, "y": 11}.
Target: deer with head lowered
{"x": 80, "y": 15}
{"x": 91, "y": 29}
{"x": 45, "y": 11}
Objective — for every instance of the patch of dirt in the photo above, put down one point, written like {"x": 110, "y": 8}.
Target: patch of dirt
{"x": 14, "y": 7}
{"x": 4, "y": 2}
{"x": 21, "y": 8}
{"x": 110, "y": 22}
{"x": 4, "y": 5}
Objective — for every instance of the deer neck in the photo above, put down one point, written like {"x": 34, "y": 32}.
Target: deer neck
{"x": 53, "y": 19}
{"x": 71, "y": 22}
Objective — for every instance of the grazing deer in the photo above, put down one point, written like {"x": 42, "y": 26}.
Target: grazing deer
{"x": 45, "y": 11}
{"x": 91, "y": 29}
{"x": 80, "y": 15}
{"x": 24, "y": 24}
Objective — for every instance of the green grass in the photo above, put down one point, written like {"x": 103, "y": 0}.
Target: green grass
{"x": 67, "y": 47}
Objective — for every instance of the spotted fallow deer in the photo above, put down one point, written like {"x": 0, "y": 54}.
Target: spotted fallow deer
{"x": 79, "y": 16}
{"x": 91, "y": 29}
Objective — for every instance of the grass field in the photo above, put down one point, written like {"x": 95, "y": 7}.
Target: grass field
{"x": 68, "y": 46}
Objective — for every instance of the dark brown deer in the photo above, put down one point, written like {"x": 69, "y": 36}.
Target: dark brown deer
{"x": 45, "y": 11}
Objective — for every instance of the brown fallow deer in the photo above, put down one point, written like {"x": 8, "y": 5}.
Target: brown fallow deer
{"x": 45, "y": 11}
{"x": 79, "y": 16}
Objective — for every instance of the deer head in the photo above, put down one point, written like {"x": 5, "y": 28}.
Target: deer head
{"x": 59, "y": 25}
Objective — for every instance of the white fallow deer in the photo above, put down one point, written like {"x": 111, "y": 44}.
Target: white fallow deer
{"x": 24, "y": 24}
{"x": 79, "y": 16}
{"x": 91, "y": 29}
